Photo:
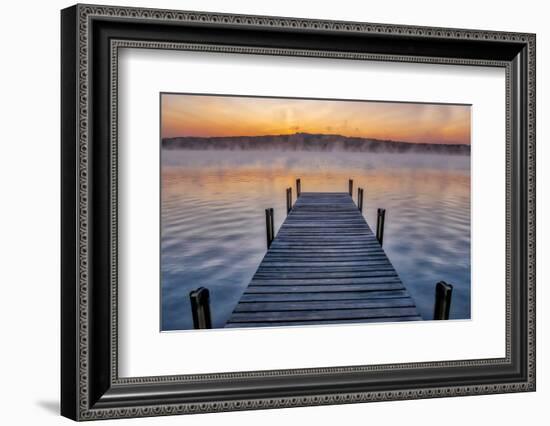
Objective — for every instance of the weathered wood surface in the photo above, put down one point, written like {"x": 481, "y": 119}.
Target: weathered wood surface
{"x": 325, "y": 266}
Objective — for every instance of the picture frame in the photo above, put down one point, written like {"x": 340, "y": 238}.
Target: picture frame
{"x": 90, "y": 385}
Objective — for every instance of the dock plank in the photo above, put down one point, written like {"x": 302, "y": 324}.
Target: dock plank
{"x": 323, "y": 288}
{"x": 313, "y": 315}
{"x": 324, "y": 305}
{"x": 324, "y": 281}
{"x": 325, "y": 266}
{"x": 323, "y": 322}
{"x": 320, "y": 296}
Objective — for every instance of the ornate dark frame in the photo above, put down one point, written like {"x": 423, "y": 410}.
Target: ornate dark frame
{"x": 91, "y": 37}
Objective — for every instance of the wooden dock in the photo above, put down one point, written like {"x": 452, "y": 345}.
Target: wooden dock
{"x": 325, "y": 266}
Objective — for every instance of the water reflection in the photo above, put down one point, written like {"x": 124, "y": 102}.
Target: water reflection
{"x": 213, "y": 223}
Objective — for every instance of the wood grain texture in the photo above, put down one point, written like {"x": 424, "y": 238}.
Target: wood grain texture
{"x": 325, "y": 266}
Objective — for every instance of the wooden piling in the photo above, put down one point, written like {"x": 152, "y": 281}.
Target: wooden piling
{"x": 298, "y": 187}
{"x": 288, "y": 200}
{"x": 443, "y": 294}
{"x": 200, "y": 308}
{"x": 380, "y": 220}
{"x": 360, "y": 199}
{"x": 269, "y": 226}
{"x": 350, "y": 184}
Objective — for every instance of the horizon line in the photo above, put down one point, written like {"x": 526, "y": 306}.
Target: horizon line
{"x": 316, "y": 134}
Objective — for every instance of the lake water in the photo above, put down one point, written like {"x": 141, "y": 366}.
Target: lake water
{"x": 213, "y": 220}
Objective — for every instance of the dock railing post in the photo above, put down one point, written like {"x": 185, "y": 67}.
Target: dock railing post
{"x": 350, "y": 184}
{"x": 443, "y": 294}
{"x": 360, "y": 199}
{"x": 381, "y": 218}
{"x": 269, "y": 226}
{"x": 288, "y": 200}
{"x": 298, "y": 187}
{"x": 200, "y": 308}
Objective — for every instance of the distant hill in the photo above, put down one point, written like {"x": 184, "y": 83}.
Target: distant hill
{"x": 309, "y": 142}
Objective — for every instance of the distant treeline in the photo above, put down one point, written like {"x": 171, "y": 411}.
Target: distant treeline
{"x": 309, "y": 142}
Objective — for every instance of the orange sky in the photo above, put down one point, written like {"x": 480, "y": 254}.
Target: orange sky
{"x": 200, "y": 115}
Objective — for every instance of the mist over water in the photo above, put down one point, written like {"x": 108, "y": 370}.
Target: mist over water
{"x": 213, "y": 220}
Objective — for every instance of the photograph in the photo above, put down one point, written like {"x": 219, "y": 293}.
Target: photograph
{"x": 280, "y": 211}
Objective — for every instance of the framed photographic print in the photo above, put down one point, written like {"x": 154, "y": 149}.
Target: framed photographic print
{"x": 263, "y": 212}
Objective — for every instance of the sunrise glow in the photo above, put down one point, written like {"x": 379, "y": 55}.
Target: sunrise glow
{"x": 206, "y": 116}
